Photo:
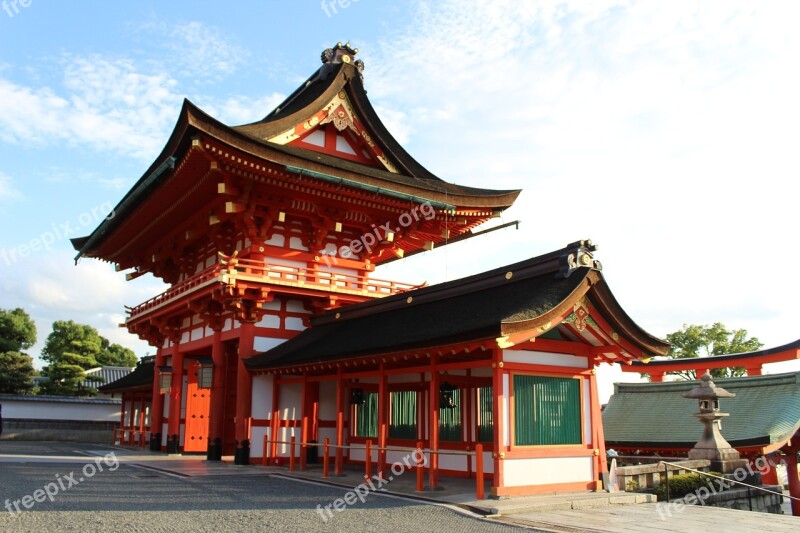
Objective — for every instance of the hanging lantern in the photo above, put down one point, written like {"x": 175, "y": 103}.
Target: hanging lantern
{"x": 356, "y": 396}
{"x": 164, "y": 379}
{"x": 446, "y": 396}
{"x": 205, "y": 373}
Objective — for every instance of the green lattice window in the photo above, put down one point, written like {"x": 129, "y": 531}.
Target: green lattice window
{"x": 403, "y": 421}
{"x": 485, "y": 417}
{"x": 547, "y": 410}
{"x": 450, "y": 419}
{"x": 367, "y": 416}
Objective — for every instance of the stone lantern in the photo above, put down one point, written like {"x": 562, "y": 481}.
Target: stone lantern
{"x": 712, "y": 445}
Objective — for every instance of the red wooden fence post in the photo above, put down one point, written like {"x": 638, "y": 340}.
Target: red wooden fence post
{"x": 479, "y": 471}
{"x": 291, "y": 454}
{"x": 368, "y": 460}
{"x": 420, "y": 467}
{"x": 325, "y": 460}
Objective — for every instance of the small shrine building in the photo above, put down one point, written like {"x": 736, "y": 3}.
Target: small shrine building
{"x": 275, "y": 327}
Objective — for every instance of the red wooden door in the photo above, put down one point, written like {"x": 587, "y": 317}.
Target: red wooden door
{"x": 198, "y": 408}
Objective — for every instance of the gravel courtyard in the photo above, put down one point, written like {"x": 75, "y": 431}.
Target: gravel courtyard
{"x": 131, "y": 498}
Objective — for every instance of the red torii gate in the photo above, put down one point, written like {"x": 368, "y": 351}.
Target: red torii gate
{"x": 753, "y": 362}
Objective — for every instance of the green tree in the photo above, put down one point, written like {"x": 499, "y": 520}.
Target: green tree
{"x": 16, "y": 373}
{"x": 708, "y": 341}
{"x": 17, "y": 330}
{"x": 116, "y": 355}
{"x": 73, "y": 348}
{"x": 17, "y": 333}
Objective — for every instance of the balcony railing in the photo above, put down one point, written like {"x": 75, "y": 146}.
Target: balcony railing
{"x": 273, "y": 273}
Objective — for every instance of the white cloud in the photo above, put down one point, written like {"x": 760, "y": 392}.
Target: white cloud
{"x": 665, "y": 132}
{"x": 201, "y": 51}
{"x": 107, "y": 105}
{"x": 7, "y": 190}
{"x": 51, "y": 289}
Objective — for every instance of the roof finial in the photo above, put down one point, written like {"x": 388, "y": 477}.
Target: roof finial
{"x": 342, "y": 53}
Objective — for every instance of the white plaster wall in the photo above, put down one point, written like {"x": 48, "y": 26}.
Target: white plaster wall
{"x": 274, "y": 305}
{"x": 291, "y": 401}
{"x": 61, "y": 410}
{"x": 164, "y": 433}
{"x": 269, "y": 321}
{"x": 330, "y": 433}
{"x": 327, "y": 400}
{"x": 404, "y": 378}
{"x": 262, "y": 396}
{"x": 358, "y": 453}
{"x": 545, "y": 358}
{"x": 197, "y": 333}
{"x": 544, "y": 471}
{"x": 262, "y": 344}
{"x": 293, "y": 323}
{"x": 165, "y": 409}
{"x": 482, "y": 372}
{"x": 285, "y": 435}
{"x": 296, "y": 306}
{"x": 257, "y": 440}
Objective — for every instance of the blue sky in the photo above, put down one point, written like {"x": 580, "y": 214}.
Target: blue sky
{"x": 664, "y": 131}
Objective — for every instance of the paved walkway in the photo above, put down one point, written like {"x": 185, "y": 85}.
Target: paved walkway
{"x": 572, "y": 512}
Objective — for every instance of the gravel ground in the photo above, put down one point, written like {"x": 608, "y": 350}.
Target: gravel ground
{"x": 135, "y": 499}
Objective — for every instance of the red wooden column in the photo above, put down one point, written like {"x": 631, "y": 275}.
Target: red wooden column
{"x": 340, "y": 389}
{"x": 794, "y": 480}
{"x": 157, "y": 409}
{"x": 433, "y": 425}
{"x": 275, "y": 422}
{"x": 600, "y": 462}
{"x": 217, "y": 422}
{"x": 383, "y": 417}
{"x": 497, "y": 419}
{"x": 754, "y": 371}
{"x": 175, "y": 399}
{"x": 304, "y": 422}
{"x": 244, "y": 381}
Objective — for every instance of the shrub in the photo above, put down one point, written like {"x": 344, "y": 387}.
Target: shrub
{"x": 683, "y": 484}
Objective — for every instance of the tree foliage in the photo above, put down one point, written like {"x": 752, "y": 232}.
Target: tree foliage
{"x": 17, "y": 333}
{"x": 708, "y": 341}
{"x": 16, "y": 373}
{"x": 17, "y": 330}
{"x": 71, "y": 349}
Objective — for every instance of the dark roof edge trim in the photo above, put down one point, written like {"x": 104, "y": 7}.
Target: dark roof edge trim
{"x": 167, "y": 164}
{"x": 370, "y": 188}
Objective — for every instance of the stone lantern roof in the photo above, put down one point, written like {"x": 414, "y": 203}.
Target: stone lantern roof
{"x": 707, "y": 389}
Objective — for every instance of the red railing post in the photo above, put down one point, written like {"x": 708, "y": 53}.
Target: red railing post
{"x": 368, "y": 460}
{"x": 420, "y": 468}
{"x": 479, "y": 490}
{"x": 325, "y": 460}
{"x": 291, "y": 454}
{"x": 264, "y": 452}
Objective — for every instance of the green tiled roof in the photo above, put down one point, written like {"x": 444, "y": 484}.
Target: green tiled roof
{"x": 766, "y": 410}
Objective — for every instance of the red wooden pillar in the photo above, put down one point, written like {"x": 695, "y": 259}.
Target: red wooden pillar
{"x": 769, "y": 475}
{"x": 216, "y": 427}
{"x": 157, "y": 408}
{"x": 275, "y": 422}
{"x": 340, "y": 389}
{"x": 657, "y": 377}
{"x": 383, "y": 417}
{"x": 433, "y": 425}
{"x": 140, "y": 422}
{"x": 122, "y": 421}
{"x": 794, "y": 480}
{"x": 175, "y": 399}
{"x": 754, "y": 371}
{"x": 244, "y": 381}
{"x": 304, "y": 426}
{"x": 497, "y": 419}
{"x": 600, "y": 461}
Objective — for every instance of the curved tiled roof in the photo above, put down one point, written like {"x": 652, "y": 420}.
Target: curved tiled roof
{"x": 766, "y": 410}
